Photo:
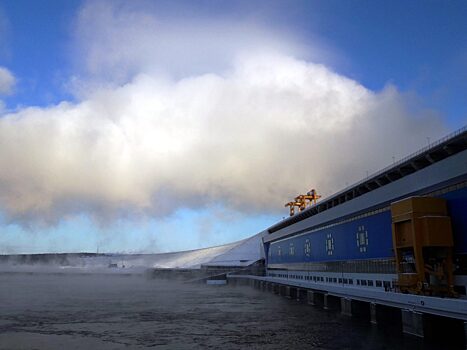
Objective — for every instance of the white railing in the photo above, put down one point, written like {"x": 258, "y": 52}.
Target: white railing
{"x": 399, "y": 162}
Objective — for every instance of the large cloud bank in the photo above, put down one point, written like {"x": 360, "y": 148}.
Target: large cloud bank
{"x": 254, "y": 132}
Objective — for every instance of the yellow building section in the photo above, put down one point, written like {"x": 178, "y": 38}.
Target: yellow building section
{"x": 423, "y": 245}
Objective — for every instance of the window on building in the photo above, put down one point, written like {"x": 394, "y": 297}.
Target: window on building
{"x": 291, "y": 249}
{"x": 329, "y": 244}
{"x": 307, "y": 248}
{"x": 362, "y": 239}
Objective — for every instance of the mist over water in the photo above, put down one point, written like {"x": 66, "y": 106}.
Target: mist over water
{"x": 114, "y": 311}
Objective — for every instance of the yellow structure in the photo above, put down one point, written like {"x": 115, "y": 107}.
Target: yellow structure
{"x": 292, "y": 206}
{"x": 302, "y": 201}
{"x": 423, "y": 242}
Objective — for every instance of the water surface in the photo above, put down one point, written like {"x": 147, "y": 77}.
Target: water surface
{"x": 60, "y": 311}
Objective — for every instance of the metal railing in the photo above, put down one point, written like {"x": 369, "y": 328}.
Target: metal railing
{"x": 399, "y": 162}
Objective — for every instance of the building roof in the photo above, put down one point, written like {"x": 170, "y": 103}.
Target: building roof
{"x": 447, "y": 146}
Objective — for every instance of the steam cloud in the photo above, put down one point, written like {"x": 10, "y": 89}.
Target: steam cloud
{"x": 146, "y": 137}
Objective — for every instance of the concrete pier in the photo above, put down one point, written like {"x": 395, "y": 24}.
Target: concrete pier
{"x": 293, "y": 293}
{"x": 416, "y": 323}
{"x": 287, "y": 292}
{"x": 331, "y": 302}
{"x": 310, "y": 297}
{"x": 373, "y": 314}
{"x": 299, "y": 294}
{"x": 412, "y": 323}
{"x": 282, "y": 290}
{"x": 346, "y": 306}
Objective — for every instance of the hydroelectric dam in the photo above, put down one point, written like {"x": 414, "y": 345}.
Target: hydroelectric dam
{"x": 391, "y": 248}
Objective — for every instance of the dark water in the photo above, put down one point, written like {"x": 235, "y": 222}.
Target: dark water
{"x": 116, "y": 311}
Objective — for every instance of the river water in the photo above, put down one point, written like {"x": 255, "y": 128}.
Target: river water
{"x": 89, "y": 311}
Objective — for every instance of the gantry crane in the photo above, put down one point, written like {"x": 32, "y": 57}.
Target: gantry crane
{"x": 302, "y": 201}
{"x": 292, "y": 206}
{"x": 312, "y": 196}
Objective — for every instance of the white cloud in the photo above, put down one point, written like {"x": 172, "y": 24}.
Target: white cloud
{"x": 249, "y": 135}
{"x": 121, "y": 39}
{"x": 7, "y": 81}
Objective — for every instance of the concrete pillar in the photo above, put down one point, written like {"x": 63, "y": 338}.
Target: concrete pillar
{"x": 293, "y": 293}
{"x": 346, "y": 306}
{"x": 412, "y": 323}
{"x": 331, "y": 302}
{"x": 287, "y": 292}
{"x": 310, "y": 296}
{"x": 326, "y": 302}
{"x": 373, "y": 314}
{"x": 297, "y": 296}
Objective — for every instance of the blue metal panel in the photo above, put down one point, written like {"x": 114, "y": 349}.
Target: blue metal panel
{"x": 343, "y": 242}
{"x": 457, "y": 207}
{"x": 339, "y": 242}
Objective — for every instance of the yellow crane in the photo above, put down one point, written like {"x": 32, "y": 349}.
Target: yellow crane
{"x": 292, "y": 206}
{"x": 312, "y": 196}
{"x": 302, "y": 201}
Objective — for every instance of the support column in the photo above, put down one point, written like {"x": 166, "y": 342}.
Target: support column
{"x": 287, "y": 293}
{"x": 412, "y": 323}
{"x": 331, "y": 302}
{"x": 298, "y": 294}
{"x": 310, "y": 296}
{"x": 373, "y": 314}
{"x": 293, "y": 293}
{"x": 346, "y": 306}
{"x": 326, "y": 302}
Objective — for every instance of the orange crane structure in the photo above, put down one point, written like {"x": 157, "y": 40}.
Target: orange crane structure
{"x": 302, "y": 201}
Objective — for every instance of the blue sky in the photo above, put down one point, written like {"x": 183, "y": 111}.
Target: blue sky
{"x": 402, "y": 64}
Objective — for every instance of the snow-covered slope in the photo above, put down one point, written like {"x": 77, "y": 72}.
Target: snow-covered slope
{"x": 241, "y": 253}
